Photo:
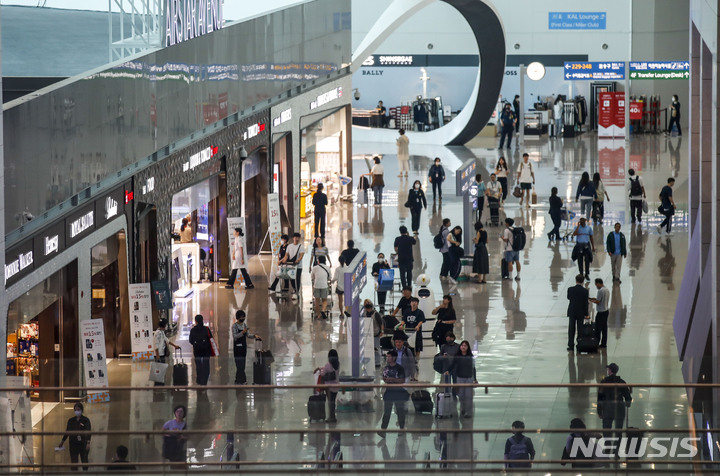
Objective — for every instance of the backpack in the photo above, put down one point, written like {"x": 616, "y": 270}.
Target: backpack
{"x": 438, "y": 240}
{"x": 518, "y": 451}
{"x": 518, "y": 238}
{"x": 635, "y": 188}
{"x": 438, "y": 363}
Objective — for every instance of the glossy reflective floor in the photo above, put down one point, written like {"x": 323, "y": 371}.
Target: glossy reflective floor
{"x": 518, "y": 329}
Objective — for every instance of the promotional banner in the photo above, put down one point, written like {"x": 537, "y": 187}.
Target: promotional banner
{"x": 611, "y": 114}
{"x": 15, "y": 416}
{"x": 141, "y": 332}
{"x": 274, "y": 227}
{"x": 236, "y": 222}
{"x": 92, "y": 334}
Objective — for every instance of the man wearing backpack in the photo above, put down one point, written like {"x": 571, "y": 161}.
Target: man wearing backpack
{"x": 519, "y": 447}
{"x": 441, "y": 239}
{"x": 637, "y": 195}
{"x": 512, "y": 246}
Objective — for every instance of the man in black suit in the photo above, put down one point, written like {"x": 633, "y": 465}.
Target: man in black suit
{"x": 577, "y": 309}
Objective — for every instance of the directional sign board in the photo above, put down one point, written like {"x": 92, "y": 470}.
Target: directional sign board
{"x": 593, "y": 70}
{"x": 659, "y": 70}
{"x": 577, "y": 20}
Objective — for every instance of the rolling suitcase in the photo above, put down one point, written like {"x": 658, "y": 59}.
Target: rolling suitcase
{"x": 444, "y": 401}
{"x": 422, "y": 401}
{"x": 261, "y": 366}
{"x": 180, "y": 370}
{"x": 504, "y": 269}
{"x": 316, "y": 407}
{"x": 586, "y": 340}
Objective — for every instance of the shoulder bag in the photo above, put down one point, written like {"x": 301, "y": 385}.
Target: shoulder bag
{"x": 214, "y": 350}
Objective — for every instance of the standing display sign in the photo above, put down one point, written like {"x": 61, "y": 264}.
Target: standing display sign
{"x": 92, "y": 335}
{"x": 355, "y": 281}
{"x": 274, "y": 227}
{"x": 636, "y": 110}
{"x": 464, "y": 182}
{"x": 141, "y": 333}
{"x": 236, "y": 222}
{"x": 611, "y": 114}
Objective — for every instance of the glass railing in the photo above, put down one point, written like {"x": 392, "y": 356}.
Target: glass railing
{"x": 267, "y": 429}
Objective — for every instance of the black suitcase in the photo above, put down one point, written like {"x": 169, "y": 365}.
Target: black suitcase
{"x": 494, "y": 206}
{"x": 261, "y": 374}
{"x": 180, "y": 370}
{"x": 504, "y": 269}
{"x": 422, "y": 401}
{"x": 316, "y": 407}
{"x": 586, "y": 340}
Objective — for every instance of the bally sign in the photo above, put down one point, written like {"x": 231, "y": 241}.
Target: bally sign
{"x": 188, "y": 19}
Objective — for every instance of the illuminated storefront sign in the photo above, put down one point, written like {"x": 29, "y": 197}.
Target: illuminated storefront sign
{"x": 253, "y": 130}
{"x": 327, "y": 97}
{"x": 20, "y": 263}
{"x": 188, "y": 19}
{"x": 284, "y": 116}
{"x": 83, "y": 223}
{"x": 199, "y": 158}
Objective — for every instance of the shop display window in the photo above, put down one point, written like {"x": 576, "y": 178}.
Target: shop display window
{"x": 23, "y": 353}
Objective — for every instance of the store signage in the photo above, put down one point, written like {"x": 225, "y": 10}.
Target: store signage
{"x": 188, "y": 19}
{"x": 355, "y": 278}
{"x": 149, "y": 185}
{"x": 253, "y": 130}
{"x": 81, "y": 224}
{"x": 395, "y": 60}
{"x": 18, "y": 264}
{"x": 611, "y": 70}
{"x": 128, "y": 196}
{"x": 611, "y": 114}
{"x": 659, "y": 70}
{"x": 52, "y": 244}
{"x": 111, "y": 208}
{"x": 284, "y": 116}
{"x": 200, "y": 158}
{"x": 636, "y": 110}
{"x": 577, "y": 20}
{"x": 373, "y": 72}
{"x": 327, "y": 97}
{"x": 464, "y": 177}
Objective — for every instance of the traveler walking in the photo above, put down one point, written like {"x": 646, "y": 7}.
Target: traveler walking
{"x": 558, "y": 110}
{"x": 510, "y": 256}
{"x": 616, "y": 248}
{"x": 416, "y": 202}
{"x": 436, "y": 176}
{"x": 442, "y": 235}
{"x": 501, "y": 172}
{"x": 481, "y": 259}
{"x": 330, "y": 373}
{"x": 320, "y": 201}
{"x": 612, "y": 401}
{"x": 395, "y": 395}
{"x": 381, "y": 263}
{"x": 674, "y": 115}
{"x": 480, "y": 196}
{"x": 403, "y": 153}
{"x": 519, "y": 446}
{"x": 378, "y": 181}
{"x": 556, "y": 205}
{"x": 319, "y": 249}
{"x": 586, "y": 194}
{"x": 403, "y": 248}
{"x": 405, "y": 356}
{"x": 584, "y": 247}
{"x": 240, "y": 333}
{"x": 526, "y": 178}
{"x": 281, "y": 259}
{"x": 200, "y": 336}
{"x": 508, "y": 120}
{"x": 446, "y": 319}
{"x": 516, "y": 110}
{"x": 162, "y": 343}
{"x": 667, "y": 205}
{"x": 339, "y": 280}
{"x": 295, "y": 255}
{"x": 238, "y": 261}
{"x": 462, "y": 369}
{"x": 320, "y": 277}
{"x": 349, "y": 253}
{"x": 598, "y": 207}
{"x": 637, "y": 195}
{"x": 602, "y": 303}
{"x": 412, "y": 321}
{"x": 494, "y": 193}
{"x": 577, "y": 310}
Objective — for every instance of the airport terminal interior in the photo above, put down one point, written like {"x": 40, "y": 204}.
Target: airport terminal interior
{"x": 157, "y": 243}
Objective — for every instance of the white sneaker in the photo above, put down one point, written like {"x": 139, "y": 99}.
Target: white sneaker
{"x": 451, "y": 280}
{"x": 659, "y": 229}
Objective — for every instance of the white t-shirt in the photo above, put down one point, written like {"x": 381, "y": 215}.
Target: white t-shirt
{"x": 494, "y": 189}
{"x": 339, "y": 277}
{"x": 525, "y": 172}
{"x": 320, "y": 276}
{"x": 629, "y": 186}
{"x": 295, "y": 250}
{"x": 507, "y": 235}
{"x": 377, "y": 169}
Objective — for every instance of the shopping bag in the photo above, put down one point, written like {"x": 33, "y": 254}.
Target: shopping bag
{"x": 517, "y": 193}
{"x": 214, "y": 349}
{"x": 287, "y": 272}
{"x": 644, "y": 206}
{"x": 157, "y": 372}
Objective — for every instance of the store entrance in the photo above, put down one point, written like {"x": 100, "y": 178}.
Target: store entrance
{"x": 283, "y": 179}
{"x": 199, "y": 234}
{"x": 255, "y": 190}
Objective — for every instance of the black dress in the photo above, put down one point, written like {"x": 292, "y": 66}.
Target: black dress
{"x": 481, "y": 261}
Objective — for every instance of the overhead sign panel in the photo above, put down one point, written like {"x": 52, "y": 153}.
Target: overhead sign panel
{"x": 594, "y": 70}
{"x": 577, "y": 20}
{"x": 659, "y": 70}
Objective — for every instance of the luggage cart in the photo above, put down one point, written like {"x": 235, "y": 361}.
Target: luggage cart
{"x": 385, "y": 282}
{"x": 568, "y": 216}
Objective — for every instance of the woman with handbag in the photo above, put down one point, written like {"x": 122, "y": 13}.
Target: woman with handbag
{"x": 501, "y": 172}
{"x": 282, "y": 259}
{"x": 377, "y": 180}
{"x": 201, "y": 340}
{"x": 330, "y": 374}
{"x": 416, "y": 202}
{"x": 162, "y": 343}
{"x": 173, "y": 448}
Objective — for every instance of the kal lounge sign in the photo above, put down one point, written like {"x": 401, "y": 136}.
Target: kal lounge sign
{"x": 188, "y": 19}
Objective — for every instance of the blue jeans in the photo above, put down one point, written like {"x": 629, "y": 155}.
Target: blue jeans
{"x": 586, "y": 207}
{"x": 378, "y": 195}
{"x": 558, "y": 127}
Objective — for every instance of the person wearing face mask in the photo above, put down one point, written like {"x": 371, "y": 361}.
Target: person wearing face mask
{"x": 507, "y": 125}
{"x": 240, "y": 333}
{"x": 494, "y": 193}
{"x": 376, "y": 267}
{"x": 282, "y": 258}
{"x": 416, "y": 202}
{"x": 79, "y": 443}
{"x": 436, "y": 176}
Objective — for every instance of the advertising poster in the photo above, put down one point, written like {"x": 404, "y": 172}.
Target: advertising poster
{"x": 236, "y": 222}
{"x": 274, "y": 227}
{"x": 141, "y": 332}
{"x": 92, "y": 334}
{"x": 606, "y": 105}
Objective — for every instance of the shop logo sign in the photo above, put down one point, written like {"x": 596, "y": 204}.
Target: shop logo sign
{"x": 81, "y": 224}
{"x": 369, "y": 61}
{"x": 22, "y": 262}
{"x": 200, "y": 158}
{"x": 52, "y": 244}
{"x": 253, "y": 130}
{"x": 111, "y": 207}
{"x": 327, "y": 97}
{"x": 188, "y": 19}
{"x": 284, "y": 116}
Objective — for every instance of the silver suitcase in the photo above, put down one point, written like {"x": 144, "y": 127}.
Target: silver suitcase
{"x": 444, "y": 401}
